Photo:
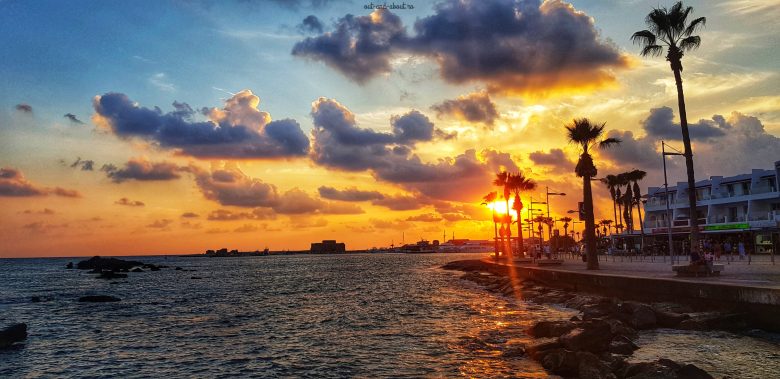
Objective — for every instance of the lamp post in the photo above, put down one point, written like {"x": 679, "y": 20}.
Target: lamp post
{"x": 547, "y": 191}
{"x": 666, "y": 194}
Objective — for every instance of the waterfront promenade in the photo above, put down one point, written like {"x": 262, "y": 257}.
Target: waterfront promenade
{"x": 759, "y": 272}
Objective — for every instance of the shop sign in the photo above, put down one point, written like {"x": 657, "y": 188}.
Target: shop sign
{"x": 741, "y": 225}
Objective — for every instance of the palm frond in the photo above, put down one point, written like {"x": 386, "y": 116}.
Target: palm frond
{"x": 609, "y": 142}
{"x": 643, "y": 38}
{"x": 690, "y": 43}
{"x": 652, "y": 50}
{"x": 694, "y": 26}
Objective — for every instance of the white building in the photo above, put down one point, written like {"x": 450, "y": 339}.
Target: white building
{"x": 747, "y": 203}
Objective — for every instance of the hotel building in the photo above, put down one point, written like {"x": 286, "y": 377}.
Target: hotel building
{"x": 736, "y": 207}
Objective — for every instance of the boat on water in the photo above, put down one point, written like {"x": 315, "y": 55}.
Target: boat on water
{"x": 421, "y": 247}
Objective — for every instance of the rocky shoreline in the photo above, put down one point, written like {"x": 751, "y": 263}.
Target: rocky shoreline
{"x": 597, "y": 342}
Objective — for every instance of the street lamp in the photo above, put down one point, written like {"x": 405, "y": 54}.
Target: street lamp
{"x": 547, "y": 191}
{"x": 666, "y": 194}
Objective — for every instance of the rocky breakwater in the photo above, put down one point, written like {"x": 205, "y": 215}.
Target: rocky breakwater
{"x": 114, "y": 268}
{"x": 12, "y": 334}
{"x": 598, "y": 342}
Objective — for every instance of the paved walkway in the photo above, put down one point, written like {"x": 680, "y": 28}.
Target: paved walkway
{"x": 759, "y": 273}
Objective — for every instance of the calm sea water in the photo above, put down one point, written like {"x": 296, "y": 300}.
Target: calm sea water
{"x": 386, "y": 315}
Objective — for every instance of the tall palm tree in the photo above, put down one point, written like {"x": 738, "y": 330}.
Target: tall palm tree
{"x": 587, "y": 136}
{"x": 566, "y": 221}
{"x": 517, "y": 184}
{"x": 669, "y": 27}
{"x": 636, "y": 176}
{"x": 628, "y": 203}
{"x": 621, "y": 180}
{"x": 489, "y": 199}
{"x": 612, "y": 183}
{"x": 502, "y": 180}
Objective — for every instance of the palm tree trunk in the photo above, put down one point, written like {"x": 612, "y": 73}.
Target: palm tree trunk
{"x": 495, "y": 234}
{"x": 590, "y": 233}
{"x": 520, "y": 248}
{"x": 614, "y": 209}
{"x": 641, "y": 225}
{"x": 620, "y": 212}
{"x": 508, "y": 221}
{"x": 694, "y": 221}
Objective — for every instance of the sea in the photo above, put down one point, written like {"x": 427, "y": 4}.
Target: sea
{"x": 304, "y": 316}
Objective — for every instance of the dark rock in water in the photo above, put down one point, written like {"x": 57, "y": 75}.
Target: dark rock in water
{"x": 111, "y": 275}
{"x": 137, "y": 269}
{"x": 593, "y": 336}
{"x": 551, "y": 328}
{"x": 617, "y": 327}
{"x": 589, "y": 366}
{"x": 101, "y": 264}
{"x": 638, "y": 315}
{"x": 561, "y": 362}
{"x": 12, "y": 334}
{"x": 513, "y": 351}
{"x": 539, "y": 349}
{"x": 196, "y": 277}
{"x": 662, "y": 369}
{"x": 154, "y": 268}
{"x": 668, "y": 319}
{"x": 622, "y": 345}
{"x": 693, "y": 324}
{"x": 98, "y": 299}
{"x": 69, "y": 265}
{"x": 692, "y": 372}
{"x": 602, "y": 309}
{"x": 178, "y": 268}
{"x": 35, "y": 299}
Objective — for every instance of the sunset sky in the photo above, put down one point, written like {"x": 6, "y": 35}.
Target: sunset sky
{"x": 167, "y": 127}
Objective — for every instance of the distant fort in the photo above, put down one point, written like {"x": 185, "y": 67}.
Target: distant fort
{"x": 328, "y": 247}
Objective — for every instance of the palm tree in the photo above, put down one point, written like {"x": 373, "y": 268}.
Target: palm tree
{"x": 587, "y": 136}
{"x": 669, "y": 27}
{"x": 628, "y": 203}
{"x": 606, "y": 223}
{"x": 489, "y": 199}
{"x": 517, "y": 184}
{"x": 620, "y": 180}
{"x": 611, "y": 181}
{"x": 502, "y": 180}
{"x": 566, "y": 221}
{"x": 636, "y": 176}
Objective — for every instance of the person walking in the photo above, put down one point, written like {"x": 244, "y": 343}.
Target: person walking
{"x": 717, "y": 247}
{"x": 741, "y": 249}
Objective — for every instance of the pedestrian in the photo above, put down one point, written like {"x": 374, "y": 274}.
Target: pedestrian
{"x": 718, "y": 249}
{"x": 741, "y": 250}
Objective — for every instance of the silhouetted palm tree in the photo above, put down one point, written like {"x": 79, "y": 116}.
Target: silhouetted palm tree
{"x": 517, "y": 184}
{"x": 669, "y": 27}
{"x": 489, "y": 199}
{"x": 566, "y": 221}
{"x": 612, "y": 183}
{"x": 588, "y": 136}
{"x": 502, "y": 180}
{"x": 636, "y": 176}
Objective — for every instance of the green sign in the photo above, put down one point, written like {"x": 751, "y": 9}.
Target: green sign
{"x": 742, "y": 225}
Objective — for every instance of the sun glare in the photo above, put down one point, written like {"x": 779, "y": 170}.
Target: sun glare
{"x": 500, "y": 207}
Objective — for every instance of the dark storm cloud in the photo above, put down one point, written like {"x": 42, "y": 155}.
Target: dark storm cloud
{"x": 72, "y": 117}
{"x": 311, "y": 24}
{"x": 359, "y": 47}
{"x": 349, "y": 194}
{"x": 508, "y": 45}
{"x": 239, "y": 130}
{"x": 632, "y": 151}
{"x": 230, "y": 186}
{"x": 142, "y": 170}
{"x": 14, "y": 184}
{"x": 24, "y": 108}
{"x": 390, "y": 157}
{"x": 412, "y": 127}
{"x": 475, "y": 107}
{"x": 660, "y": 125}
{"x": 555, "y": 158}
{"x": 84, "y": 165}
{"x": 130, "y": 203}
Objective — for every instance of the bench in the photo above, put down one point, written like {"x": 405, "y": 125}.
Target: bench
{"x": 696, "y": 270}
{"x": 549, "y": 262}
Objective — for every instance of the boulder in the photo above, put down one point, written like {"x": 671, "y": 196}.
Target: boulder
{"x": 669, "y": 319}
{"x": 111, "y": 275}
{"x": 112, "y": 264}
{"x": 693, "y": 324}
{"x": 551, "y": 328}
{"x": 638, "y": 315}
{"x": 589, "y": 366}
{"x": 178, "y": 268}
{"x": 69, "y": 265}
{"x": 539, "y": 349}
{"x": 513, "y": 351}
{"x": 593, "y": 336}
{"x": 98, "y": 299}
{"x": 690, "y": 371}
{"x": 12, "y": 334}
{"x": 617, "y": 327}
{"x": 599, "y": 310}
{"x": 35, "y": 299}
{"x": 137, "y": 269}
{"x": 561, "y": 362}
{"x": 622, "y": 345}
